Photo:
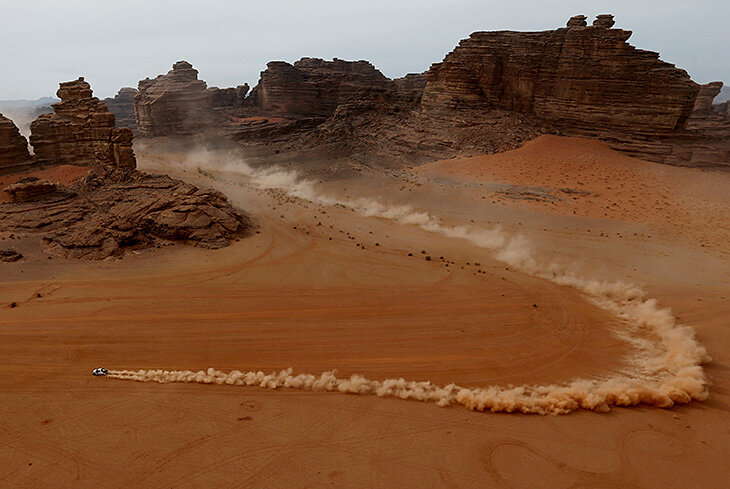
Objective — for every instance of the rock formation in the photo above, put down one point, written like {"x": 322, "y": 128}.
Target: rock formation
{"x": 13, "y": 146}
{"x": 30, "y": 188}
{"x": 313, "y": 87}
{"x": 122, "y": 106}
{"x": 174, "y": 104}
{"x": 705, "y": 97}
{"x": 81, "y": 131}
{"x": 575, "y": 76}
{"x": 107, "y": 214}
{"x": 115, "y": 207}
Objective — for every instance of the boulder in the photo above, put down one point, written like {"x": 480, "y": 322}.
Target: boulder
{"x": 13, "y": 146}
{"x": 577, "y": 21}
{"x": 81, "y": 131}
{"x": 30, "y": 188}
{"x": 604, "y": 20}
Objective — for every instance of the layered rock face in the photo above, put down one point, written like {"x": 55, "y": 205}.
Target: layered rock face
{"x": 579, "y": 76}
{"x": 13, "y": 146}
{"x": 122, "y": 106}
{"x": 108, "y": 214}
{"x": 174, "y": 104}
{"x": 81, "y": 131}
{"x": 30, "y": 188}
{"x": 313, "y": 87}
{"x": 705, "y": 97}
{"x": 229, "y": 97}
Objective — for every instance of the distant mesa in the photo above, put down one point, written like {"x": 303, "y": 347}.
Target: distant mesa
{"x": 494, "y": 90}
{"x": 314, "y": 87}
{"x": 179, "y": 104}
{"x": 113, "y": 208}
{"x": 122, "y": 106}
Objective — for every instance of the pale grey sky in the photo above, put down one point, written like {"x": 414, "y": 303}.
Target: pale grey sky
{"x": 117, "y": 43}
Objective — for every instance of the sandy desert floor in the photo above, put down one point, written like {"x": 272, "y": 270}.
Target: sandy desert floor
{"x": 321, "y": 287}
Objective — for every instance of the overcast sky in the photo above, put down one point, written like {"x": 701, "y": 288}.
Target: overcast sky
{"x": 117, "y": 43}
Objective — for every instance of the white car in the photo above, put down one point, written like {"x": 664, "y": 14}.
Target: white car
{"x": 100, "y": 371}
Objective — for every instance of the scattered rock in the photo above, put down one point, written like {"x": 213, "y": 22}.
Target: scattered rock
{"x": 10, "y": 255}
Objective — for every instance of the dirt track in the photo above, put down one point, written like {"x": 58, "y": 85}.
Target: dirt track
{"x": 291, "y": 297}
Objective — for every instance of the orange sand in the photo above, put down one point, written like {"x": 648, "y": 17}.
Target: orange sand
{"x": 290, "y": 296}
{"x": 684, "y": 202}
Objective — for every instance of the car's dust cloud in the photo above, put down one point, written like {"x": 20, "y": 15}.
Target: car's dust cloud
{"x": 667, "y": 360}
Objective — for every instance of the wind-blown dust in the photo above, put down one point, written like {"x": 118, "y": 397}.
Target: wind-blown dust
{"x": 666, "y": 358}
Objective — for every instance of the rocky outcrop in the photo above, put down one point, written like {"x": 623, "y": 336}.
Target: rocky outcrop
{"x": 30, "y": 188}
{"x": 175, "y": 104}
{"x": 108, "y": 214}
{"x": 577, "y": 76}
{"x": 313, "y": 87}
{"x": 10, "y": 255}
{"x": 13, "y": 146}
{"x": 705, "y": 97}
{"x": 81, "y": 131}
{"x": 122, "y": 106}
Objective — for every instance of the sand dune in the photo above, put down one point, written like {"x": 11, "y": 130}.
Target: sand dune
{"x": 585, "y": 178}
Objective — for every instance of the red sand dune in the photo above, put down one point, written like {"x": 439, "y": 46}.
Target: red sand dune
{"x": 687, "y": 202}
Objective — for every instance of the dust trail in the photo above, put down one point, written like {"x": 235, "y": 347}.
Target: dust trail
{"x": 667, "y": 360}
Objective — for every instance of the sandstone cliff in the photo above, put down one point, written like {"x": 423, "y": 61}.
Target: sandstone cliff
{"x": 313, "y": 87}
{"x": 122, "y": 106}
{"x": 81, "y": 131}
{"x": 13, "y": 146}
{"x": 174, "y": 104}
{"x": 586, "y": 76}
